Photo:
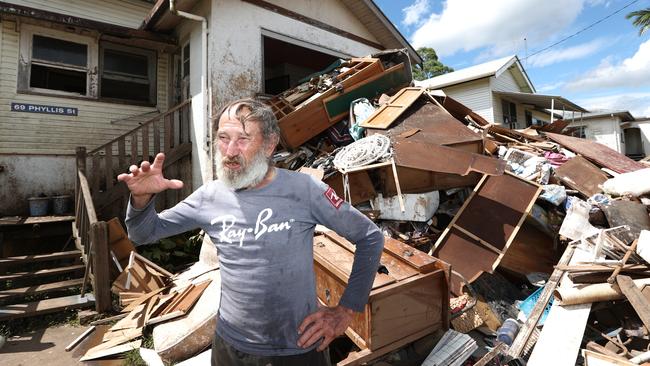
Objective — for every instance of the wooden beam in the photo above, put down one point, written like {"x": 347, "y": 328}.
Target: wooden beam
{"x": 29, "y": 12}
{"x": 313, "y": 22}
{"x": 635, "y": 297}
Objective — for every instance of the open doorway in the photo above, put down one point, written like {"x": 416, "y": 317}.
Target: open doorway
{"x": 633, "y": 143}
{"x": 286, "y": 64}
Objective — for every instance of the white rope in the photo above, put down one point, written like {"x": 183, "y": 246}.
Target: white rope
{"x": 363, "y": 152}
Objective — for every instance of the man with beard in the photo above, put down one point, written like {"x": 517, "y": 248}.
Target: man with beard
{"x": 262, "y": 221}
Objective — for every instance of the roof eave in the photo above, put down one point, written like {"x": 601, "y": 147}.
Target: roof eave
{"x": 396, "y": 33}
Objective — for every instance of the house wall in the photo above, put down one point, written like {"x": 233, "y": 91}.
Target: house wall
{"x": 332, "y": 12}
{"x": 507, "y": 83}
{"x": 127, "y": 13}
{"x": 644, "y": 126}
{"x": 476, "y": 95}
{"x": 191, "y": 31}
{"x": 605, "y": 130}
{"x": 46, "y": 143}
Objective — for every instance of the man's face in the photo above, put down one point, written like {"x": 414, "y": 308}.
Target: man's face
{"x": 242, "y": 155}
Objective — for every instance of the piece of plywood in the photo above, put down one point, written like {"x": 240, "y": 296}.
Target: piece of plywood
{"x": 385, "y": 115}
{"x": 630, "y": 213}
{"x": 417, "y": 155}
{"x": 579, "y": 174}
{"x": 598, "y": 153}
{"x": 481, "y": 232}
{"x": 635, "y": 297}
{"x": 419, "y": 260}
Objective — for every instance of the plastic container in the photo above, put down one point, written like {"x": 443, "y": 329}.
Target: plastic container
{"x": 61, "y": 204}
{"x": 507, "y": 332}
{"x": 38, "y": 206}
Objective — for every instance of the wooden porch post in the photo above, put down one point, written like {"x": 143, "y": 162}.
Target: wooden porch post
{"x": 100, "y": 262}
{"x": 81, "y": 167}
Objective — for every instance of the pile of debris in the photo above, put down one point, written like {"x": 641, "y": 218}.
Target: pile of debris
{"x": 498, "y": 205}
{"x": 484, "y": 225}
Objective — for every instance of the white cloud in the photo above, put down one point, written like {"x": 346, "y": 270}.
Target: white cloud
{"x": 637, "y": 103}
{"x": 415, "y": 13}
{"x": 465, "y": 25}
{"x": 631, "y": 72}
{"x": 553, "y": 56}
{"x": 549, "y": 87}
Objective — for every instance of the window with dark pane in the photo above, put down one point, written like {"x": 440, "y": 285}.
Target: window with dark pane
{"x": 126, "y": 75}
{"x": 58, "y": 65}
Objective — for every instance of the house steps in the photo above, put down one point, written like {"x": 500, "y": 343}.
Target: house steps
{"x": 43, "y": 272}
{"x": 47, "y": 281}
{"x": 56, "y": 304}
{"x": 13, "y": 293}
{"x": 26, "y": 259}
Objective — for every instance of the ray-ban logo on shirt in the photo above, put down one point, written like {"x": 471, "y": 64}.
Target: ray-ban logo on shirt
{"x": 229, "y": 234}
{"x": 331, "y": 196}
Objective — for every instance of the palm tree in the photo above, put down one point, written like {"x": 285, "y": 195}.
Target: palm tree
{"x": 642, "y": 19}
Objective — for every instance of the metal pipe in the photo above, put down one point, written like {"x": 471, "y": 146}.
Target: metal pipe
{"x": 204, "y": 73}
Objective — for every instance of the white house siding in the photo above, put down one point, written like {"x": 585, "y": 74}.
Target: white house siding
{"x": 505, "y": 82}
{"x": 476, "y": 95}
{"x": 332, "y": 12}
{"x": 35, "y": 145}
{"x": 126, "y": 13}
{"x": 605, "y": 130}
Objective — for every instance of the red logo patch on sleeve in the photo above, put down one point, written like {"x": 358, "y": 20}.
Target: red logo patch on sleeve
{"x": 331, "y": 196}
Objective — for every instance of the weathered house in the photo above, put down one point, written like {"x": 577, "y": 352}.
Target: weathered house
{"x": 618, "y": 129}
{"x": 501, "y": 92}
{"x": 86, "y": 73}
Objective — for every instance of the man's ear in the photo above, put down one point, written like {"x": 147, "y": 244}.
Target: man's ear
{"x": 269, "y": 149}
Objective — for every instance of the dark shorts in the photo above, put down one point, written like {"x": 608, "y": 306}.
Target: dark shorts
{"x": 224, "y": 354}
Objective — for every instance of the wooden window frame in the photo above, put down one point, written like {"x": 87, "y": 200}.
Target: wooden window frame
{"x": 27, "y": 33}
{"x": 152, "y": 74}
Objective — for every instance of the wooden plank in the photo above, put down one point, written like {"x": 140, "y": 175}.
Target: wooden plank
{"x": 81, "y": 337}
{"x": 564, "y": 328}
{"x": 9, "y": 312}
{"x": 145, "y": 142}
{"x": 39, "y": 289}
{"x": 121, "y": 153}
{"x": 100, "y": 267}
{"x": 598, "y": 153}
{"x": 96, "y": 170}
{"x": 365, "y": 355}
{"x": 579, "y": 174}
{"x": 598, "y": 359}
{"x": 635, "y": 297}
{"x": 385, "y": 115}
{"x": 134, "y": 147}
{"x": 419, "y": 260}
{"x": 43, "y": 272}
{"x": 519, "y": 343}
{"x": 104, "y": 352}
{"x": 156, "y": 137}
{"x": 25, "y": 259}
{"x": 108, "y": 166}
{"x": 141, "y": 299}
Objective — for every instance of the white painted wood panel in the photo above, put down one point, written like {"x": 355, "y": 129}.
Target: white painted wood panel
{"x": 127, "y": 13}
{"x": 475, "y": 95}
{"x": 96, "y": 123}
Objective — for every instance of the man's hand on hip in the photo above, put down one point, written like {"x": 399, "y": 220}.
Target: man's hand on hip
{"x": 147, "y": 180}
{"x": 327, "y": 323}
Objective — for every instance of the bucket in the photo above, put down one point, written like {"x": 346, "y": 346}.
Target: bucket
{"x": 61, "y": 204}
{"x": 38, "y": 206}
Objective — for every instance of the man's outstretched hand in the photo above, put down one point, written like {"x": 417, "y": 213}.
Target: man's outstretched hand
{"x": 147, "y": 180}
{"x": 327, "y": 323}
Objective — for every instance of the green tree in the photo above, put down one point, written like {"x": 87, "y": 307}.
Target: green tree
{"x": 431, "y": 66}
{"x": 641, "y": 19}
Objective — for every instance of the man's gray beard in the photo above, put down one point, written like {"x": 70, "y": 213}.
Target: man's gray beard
{"x": 249, "y": 176}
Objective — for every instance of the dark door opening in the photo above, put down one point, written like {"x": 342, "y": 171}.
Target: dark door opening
{"x": 286, "y": 64}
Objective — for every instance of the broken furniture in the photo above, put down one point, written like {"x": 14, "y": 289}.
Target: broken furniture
{"x": 409, "y": 298}
{"x": 485, "y": 226}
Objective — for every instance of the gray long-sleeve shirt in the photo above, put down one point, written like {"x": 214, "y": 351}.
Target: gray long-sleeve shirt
{"x": 264, "y": 239}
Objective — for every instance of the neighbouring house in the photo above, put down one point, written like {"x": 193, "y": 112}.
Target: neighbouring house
{"x": 125, "y": 78}
{"x": 618, "y": 129}
{"x": 501, "y": 92}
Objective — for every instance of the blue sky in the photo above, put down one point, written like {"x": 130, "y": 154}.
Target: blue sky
{"x": 604, "y": 67}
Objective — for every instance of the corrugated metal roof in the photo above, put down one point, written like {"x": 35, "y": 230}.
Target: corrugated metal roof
{"x": 480, "y": 71}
